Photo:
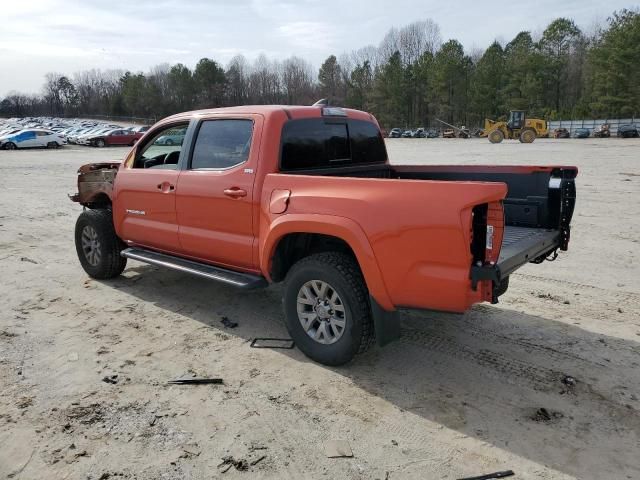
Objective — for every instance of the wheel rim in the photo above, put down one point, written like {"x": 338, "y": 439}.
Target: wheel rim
{"x": 321, "y": 312}
{"x": 10, "y": 146}
{"x": 91, "y": 245}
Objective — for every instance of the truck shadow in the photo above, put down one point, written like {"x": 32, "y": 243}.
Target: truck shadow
{"x": 548, "y": 391}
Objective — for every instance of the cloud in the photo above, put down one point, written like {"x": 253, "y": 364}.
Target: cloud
{"x": 309, "y": 35}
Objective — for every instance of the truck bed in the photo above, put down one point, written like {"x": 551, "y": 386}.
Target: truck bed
{"x": 537, "y": 209}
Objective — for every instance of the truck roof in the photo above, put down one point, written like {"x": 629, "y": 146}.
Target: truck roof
{"x": 292, "y": 111}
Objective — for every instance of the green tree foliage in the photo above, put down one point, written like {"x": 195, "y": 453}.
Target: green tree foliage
{"x": 389, "y": 94}
{"x": 488, "y": 82}
{"x": 451, "y": 78}
{"x": 559, "y": 41}
{"x": 209, "y": 81}
{"x": 613, "y": 84}
{"x": 330, "y": 79}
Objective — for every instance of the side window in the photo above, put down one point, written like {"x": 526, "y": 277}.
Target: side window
{"x": 222, "y": 144}
{"x": 367, "y": 144}
{"x": 317, "y": 143}
{"x": 162, "y": 150}
{"x": 313, "y": 143}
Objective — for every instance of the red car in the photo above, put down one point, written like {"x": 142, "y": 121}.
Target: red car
{"x": 115, "y": 137}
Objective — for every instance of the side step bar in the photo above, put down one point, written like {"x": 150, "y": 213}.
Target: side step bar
{"x": 237, "y": 279}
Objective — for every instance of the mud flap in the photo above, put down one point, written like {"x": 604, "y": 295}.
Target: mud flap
{"x": 386, "y": 324}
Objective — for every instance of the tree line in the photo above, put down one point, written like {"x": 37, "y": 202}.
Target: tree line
{"x": 411, "y": 78}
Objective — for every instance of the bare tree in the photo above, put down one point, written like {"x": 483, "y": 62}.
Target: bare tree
{"x": 297, "y": 81}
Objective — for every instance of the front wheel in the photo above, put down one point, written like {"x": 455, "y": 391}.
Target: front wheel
{"x": 98, "y": 246}
{"x": 327, "y": 310}
{"x": 10, "y": 146}
{"x": 496, "y": 136}
{"x": 100, "y": 143}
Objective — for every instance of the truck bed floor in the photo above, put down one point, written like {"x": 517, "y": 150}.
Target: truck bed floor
{"x": 522, "y": 244}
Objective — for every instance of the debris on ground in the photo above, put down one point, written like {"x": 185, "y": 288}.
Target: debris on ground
{"x": 27, "y": 259}
{"x": 569, "y": 381}
{"x": 546, "y": 416}
{"x": 258, "y": 460}
{"x": 228, "y": 323}
{"x": 112, "y": 379}
{"x": 24, "y": 402}
{"x": 285, "y": 343}
{"x": 228, "y": 462}
{"x": 337, "y": 449}
{"x": 196, "y": 381}
{"x": 489, "y": 476}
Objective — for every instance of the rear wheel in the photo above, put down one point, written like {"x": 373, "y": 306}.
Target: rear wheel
{"x": 98, "y": 246}
{"x": 527, "y": 136}
{"x": 52, "y": 145}
{"x": 496, "y": 136}
{"x": 327, "y": 310}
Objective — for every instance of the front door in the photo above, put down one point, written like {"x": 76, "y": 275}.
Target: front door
{"x": 145, "y": 193}
{"x": 214, "y": 199}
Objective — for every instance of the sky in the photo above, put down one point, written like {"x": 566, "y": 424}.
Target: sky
{"x": 66, "y": 36}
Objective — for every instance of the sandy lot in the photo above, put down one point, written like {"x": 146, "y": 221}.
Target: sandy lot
{"x": 456, "y": 396}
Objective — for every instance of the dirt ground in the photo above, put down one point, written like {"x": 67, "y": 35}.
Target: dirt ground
{"x": 458, "y": 395}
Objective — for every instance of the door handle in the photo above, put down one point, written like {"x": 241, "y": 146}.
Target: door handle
{"x": 166, "y": 187}
{"x": 235, "y": 192}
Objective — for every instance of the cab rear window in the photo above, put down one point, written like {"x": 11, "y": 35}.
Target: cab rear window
{"x": 322, "y": 143}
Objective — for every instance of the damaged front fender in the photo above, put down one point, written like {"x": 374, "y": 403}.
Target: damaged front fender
{"x": 95, "y": 183}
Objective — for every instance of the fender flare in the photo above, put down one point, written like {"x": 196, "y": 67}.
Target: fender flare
{"x": 336, "y": 226}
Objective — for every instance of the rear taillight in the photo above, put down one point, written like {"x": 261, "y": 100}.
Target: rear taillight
{"x": 495, "y": 229}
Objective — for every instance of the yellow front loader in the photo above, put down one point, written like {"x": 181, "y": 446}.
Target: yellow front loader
{"x": 519, "y": 126}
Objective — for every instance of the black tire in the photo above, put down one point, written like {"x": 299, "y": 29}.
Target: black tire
{"x": 502, "y": 288}
{"x": 527, "y": 136}
{"x": 52, "y": 145}
{"x": 109, "y": 263}
{"x": 343, "y": 275}
{"x": 496, "y": 136}
{"x": 10, "y": 146}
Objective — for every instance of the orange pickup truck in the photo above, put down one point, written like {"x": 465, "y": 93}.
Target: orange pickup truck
{"x": 306, "y": 196}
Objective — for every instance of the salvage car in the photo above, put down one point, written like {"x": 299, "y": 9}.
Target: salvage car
{"x": 602, "y": 131}
{"x": 628, "y": 131}
{"x": 561, "y": 133}
{"x": 395, "y": 133}
{"x": 306, "y": 196}
{"x": 170, "y": 138}
{"x": 114, "y": 137}
{"x": 31, "y": 138}
{"x": 581, "y": 133}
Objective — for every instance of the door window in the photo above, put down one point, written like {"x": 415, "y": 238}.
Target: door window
{"x": 222, "y": 144}
{"x": 163, "y": 148}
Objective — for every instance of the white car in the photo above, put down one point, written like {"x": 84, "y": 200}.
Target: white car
{"x": 84, "y": 138}
{"x": 31, "y": 137}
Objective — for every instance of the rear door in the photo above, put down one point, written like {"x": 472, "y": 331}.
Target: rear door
{"x": 144, "y": 192}
{"x": 214, "y": 199}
